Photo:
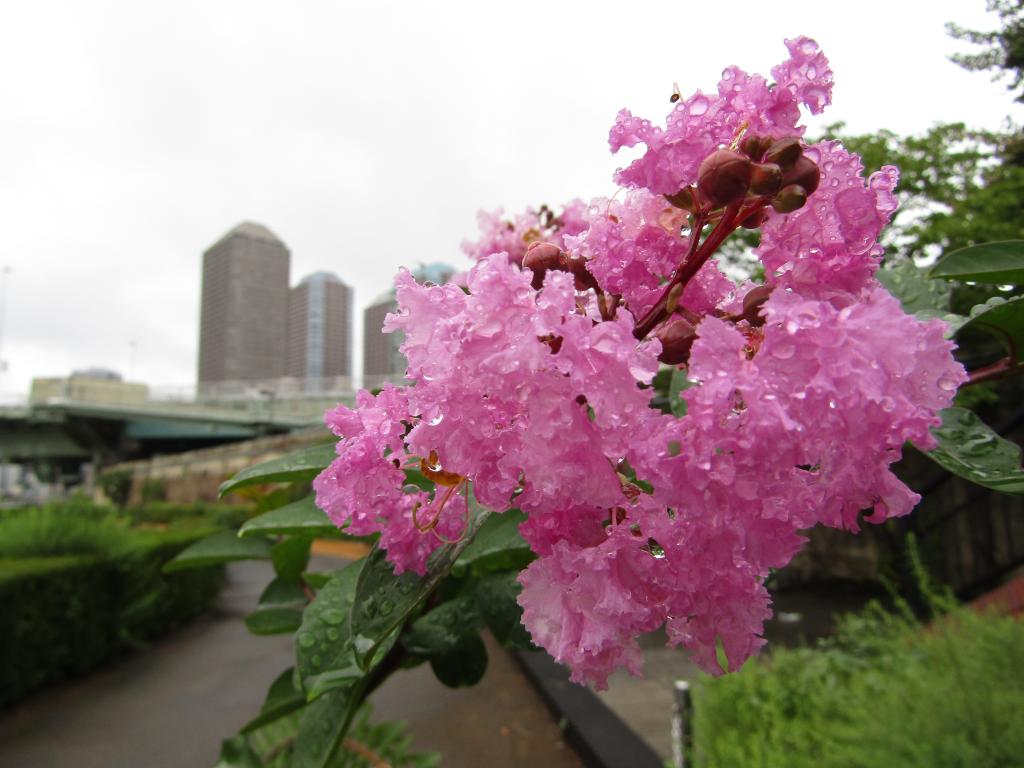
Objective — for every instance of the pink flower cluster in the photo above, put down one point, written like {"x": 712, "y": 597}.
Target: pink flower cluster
{"x": 804, "y": 390}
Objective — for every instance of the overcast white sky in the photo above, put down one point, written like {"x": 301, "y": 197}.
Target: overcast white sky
{"x": 134, "y": 134}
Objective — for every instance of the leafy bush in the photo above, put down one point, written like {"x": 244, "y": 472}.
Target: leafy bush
{"x": 171, "y": 513}
{"x": 63, "y": 615}
{"x": 885, "y": 691}
{"x": 52, "y": 530}
{"x": 153, "y": 489}
{"x": 116, "y": 485}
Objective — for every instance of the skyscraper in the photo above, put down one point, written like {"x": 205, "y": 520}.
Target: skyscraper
{"x": 244, "y": 308}
{"x": 320, "y": 328}
{"x": 382, "y": 360}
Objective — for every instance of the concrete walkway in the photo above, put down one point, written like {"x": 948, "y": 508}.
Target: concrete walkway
{"x": 170, "y": 706}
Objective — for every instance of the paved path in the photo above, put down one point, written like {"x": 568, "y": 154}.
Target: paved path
{"x": 170, "y": 706}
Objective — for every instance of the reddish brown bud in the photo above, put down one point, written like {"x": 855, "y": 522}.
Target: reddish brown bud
{"x": 539, "y": 258}
{"x": 783, "y": 152}
{"x": 804, "y": 172}
{"x": 790, "y": 199}
{"x": 765, "y": 178}
{"x": 677, "y": 336}
{"x": 755, "y": 220}
{"x": 724, "y": 177}
{"x": 683, "y": 199}
{"x": 752, "y": 303}
{"x": 755, "y": 146}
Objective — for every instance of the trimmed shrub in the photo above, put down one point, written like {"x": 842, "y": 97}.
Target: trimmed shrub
{"x": 65, "y": 615}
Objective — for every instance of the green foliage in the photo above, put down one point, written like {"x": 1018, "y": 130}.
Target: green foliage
{"x": 277, "y": 744}
{"x": 153, "y": 489}
{"x": 65, "y": 614}
{"x": 116, "y": 485}
{"x": 969, "y": 448}
{"x": 677, "y": 386}
{"x": 302, "y": 516}
{"x": 298, "y": 466}
{"x": 990, "y": 262}
{"x": 52, "y": 531}
{"x": 886, "y": 691}
{"x": 221, "y": 547}
{"x": 362, "y": 622}
{"x": 384, "y": 601}
{"x": 496, "y": 547}
{"x": 1003, "y": 48}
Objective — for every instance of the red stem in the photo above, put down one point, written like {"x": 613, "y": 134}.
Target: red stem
{"x": 695, "y": 258}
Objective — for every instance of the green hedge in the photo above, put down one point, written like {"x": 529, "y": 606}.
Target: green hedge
{"x": 66, "y": 614}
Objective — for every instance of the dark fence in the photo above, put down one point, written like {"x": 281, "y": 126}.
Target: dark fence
{"x": 969, "y": 537}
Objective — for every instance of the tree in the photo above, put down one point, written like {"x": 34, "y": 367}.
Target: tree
{"x": 1004, "y": 48}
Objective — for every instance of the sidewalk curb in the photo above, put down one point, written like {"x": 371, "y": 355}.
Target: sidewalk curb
{"x": 597, "y": 735}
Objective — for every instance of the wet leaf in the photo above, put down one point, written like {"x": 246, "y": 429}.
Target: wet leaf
{"x": 985, "y": 263}
{"x": 384, "y": 601}
{"x": 299, "y": 517}
{"x": 222, "y": 547}
{"x": 971, "y": 449}
{"x": 299, "y": 465}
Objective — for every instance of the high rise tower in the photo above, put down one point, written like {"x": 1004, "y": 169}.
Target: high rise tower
{"x": 244, "y": 310}
{"x": 320, "y": 328}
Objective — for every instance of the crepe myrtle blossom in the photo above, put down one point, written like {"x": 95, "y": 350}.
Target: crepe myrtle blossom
{"x": 531, "y": 382}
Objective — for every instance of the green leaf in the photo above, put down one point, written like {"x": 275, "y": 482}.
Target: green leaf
{"x": 496, "y": 600}
{"x": 283, "y": 594}
{"x": 299, "y": 517}
{"x": 1004, "y": 318}
{"x": 282, "y": 699}
{"x": 316, "y": 580}
{"x": 322, "y": 727}
{"x": 384, "y": 601}
{"x": 222, "y": 547}
{"x": 236, "y": 752}
{"x": 915, "y": 291}
{"x": 985, "y": 263}
{"x": 464, "y": 666}
{"x": 969, "y": 448}
{"x": 291, "y": 557}
{"x": 300, "y": 465}
{"x": 678, "y": 384}
{"x": 442, "y": 630}
{"x": 323, "y": 643}
{"x": 273, "y": 621}
{"x": 497, "y": 546}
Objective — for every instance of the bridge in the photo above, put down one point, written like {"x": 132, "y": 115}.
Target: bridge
{"x": 55, "y": 436}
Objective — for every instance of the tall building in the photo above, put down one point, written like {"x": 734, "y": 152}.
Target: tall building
{"x": 382, "y": 360}
{"x": 320, "y": 329}
{"x": 244, "y": 309}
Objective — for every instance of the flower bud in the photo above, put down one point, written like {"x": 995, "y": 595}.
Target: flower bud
{"x": 752, "y": 303}
{"x": 790, "y": 199}
{"x": 539, "y": 258}
{"x": 765, "y": 178}
{"x": 755, "y": 219}
{"x": 677, "y": 336}
{"x": 683, "y": 199}
{"x": 724, "y": 177}
{"x": 755, "y": 146}
{"x": 783, "y": 152}
{"x": 804, "y": 172}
